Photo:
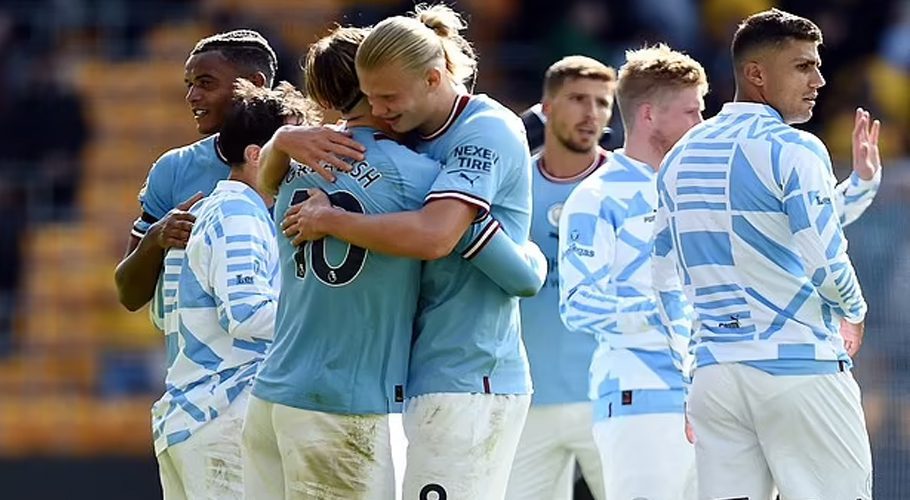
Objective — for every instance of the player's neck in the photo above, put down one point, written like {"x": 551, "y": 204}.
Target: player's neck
{"x": 746, "y": 93}
{"x": 442, "y": 109}
{"x": 640, "y": 147}
{"x": 248, "y": 176}
{"x": 361, "y": 116}
{"x": 561, "y": 162}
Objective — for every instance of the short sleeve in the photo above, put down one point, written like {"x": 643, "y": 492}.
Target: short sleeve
{"x": 478, "y": 162}
{"x": 155, "y": 198}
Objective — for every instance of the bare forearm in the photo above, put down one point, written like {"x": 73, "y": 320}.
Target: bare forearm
{"x": 137, "y": 274}
{"x": 403, "y": 234}
{"x": 274, "y": 163}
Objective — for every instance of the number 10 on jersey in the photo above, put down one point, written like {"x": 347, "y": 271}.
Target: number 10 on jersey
{"x": 354, "y": 258}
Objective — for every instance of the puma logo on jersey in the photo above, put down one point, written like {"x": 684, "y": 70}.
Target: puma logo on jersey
{"x": 733, "y": 323}
{"x": 468, "y": 178}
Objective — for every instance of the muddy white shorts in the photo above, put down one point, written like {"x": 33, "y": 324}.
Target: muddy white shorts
{"x": 300, "y": 454}
{"x": 208, "y": 464}
{"x": 461, "y": 445}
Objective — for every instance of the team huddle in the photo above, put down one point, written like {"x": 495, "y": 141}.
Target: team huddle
{"x": 677, "y": 316}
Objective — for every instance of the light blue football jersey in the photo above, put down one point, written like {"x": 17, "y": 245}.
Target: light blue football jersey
{"x": 559, "y": 359}
{"x": 345, "y": 314}
{"x": 750, "y": 218}
{"x": 174, "y": 178}
{"x": 468, "y": 335}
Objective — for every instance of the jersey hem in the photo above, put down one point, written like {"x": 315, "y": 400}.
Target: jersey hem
{"x": 270, "y": 397}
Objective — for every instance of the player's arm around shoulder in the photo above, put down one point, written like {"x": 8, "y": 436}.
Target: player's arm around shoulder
{"x": 428, "y": 233}
{"x": 314, "y": 146}
{"x": 424, "y": 229}
{"x": 241, "y": 271}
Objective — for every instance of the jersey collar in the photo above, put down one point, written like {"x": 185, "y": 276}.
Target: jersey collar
{"x": 619, "y": 155}
{"x": 217, "y": 145}
{"x": 740, "y": 108}
{"x": 598, "y": 161}
{"x": 231, "y": 186}
{"x": 461, "y": 102}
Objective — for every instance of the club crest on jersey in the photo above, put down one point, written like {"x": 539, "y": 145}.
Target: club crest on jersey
{"x": 553, "y": 214}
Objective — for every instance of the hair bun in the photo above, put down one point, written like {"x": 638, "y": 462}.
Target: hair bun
{"x": 444, "y": 21}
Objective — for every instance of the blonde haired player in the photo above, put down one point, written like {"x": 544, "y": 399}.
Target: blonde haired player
{"x": 322, "y": 402}
{"x": 606, "y": 285}
{"x": 468, "y": 383}
{"x": 577, "y": 104}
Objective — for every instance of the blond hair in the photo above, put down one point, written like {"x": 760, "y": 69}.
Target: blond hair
{"x": 430, "y": 36}
{"x": 650, "y": 72}
{"x": 572, "y": 67}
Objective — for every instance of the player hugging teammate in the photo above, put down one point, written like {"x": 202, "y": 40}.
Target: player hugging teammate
{"x": 701, "y": 294}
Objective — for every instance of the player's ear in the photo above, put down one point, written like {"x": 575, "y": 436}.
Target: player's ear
{"x": 546, "y": 106}
{"x": 754, "y": 73}
{"x": 645, "y": 113}
{"x": 433, "y": 78}
{"x": 258, "y": 79}
{"x": 251, "y": 154}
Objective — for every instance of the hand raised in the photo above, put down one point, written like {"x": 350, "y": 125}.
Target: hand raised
{"x": 866, "y": 158}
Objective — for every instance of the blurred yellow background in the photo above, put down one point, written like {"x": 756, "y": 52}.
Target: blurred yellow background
{"x": 91, "y": 93}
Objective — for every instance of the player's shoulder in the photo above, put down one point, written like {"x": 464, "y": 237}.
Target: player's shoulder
{"x": 397, "y": 163}
{"x": 791, "y": 135}
{"x": 233, "y": 200}
{"x": 803, "y": 142}
{"x": 203, "y": 149}
{"x": 202, "y": 153}
{"x": 383, "y": 148}
{"x": 618, "y": 171}
{"x": 484, "y": 104}
{"x": 591, "y": 191}
{"x": 484, "y": 116}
